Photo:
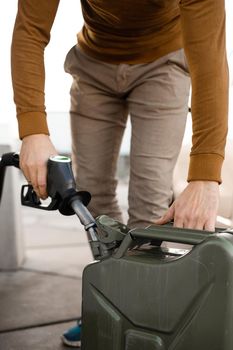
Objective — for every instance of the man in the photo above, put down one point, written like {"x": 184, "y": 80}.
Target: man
{"x": 130, "y": 59}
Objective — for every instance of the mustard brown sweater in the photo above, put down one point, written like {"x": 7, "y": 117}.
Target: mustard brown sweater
{"x": 134, "y": 31}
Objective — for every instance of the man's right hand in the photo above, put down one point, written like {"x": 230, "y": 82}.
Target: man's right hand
{"x": 34, "y": 154}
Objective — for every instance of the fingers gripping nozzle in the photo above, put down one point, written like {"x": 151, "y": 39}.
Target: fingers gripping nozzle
{"x": 61, "y": 187}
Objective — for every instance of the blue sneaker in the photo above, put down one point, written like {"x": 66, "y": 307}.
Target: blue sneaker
{"x": 72, "y": 337}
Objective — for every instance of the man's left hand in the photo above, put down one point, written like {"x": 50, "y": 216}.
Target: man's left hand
{"x": 195, "y": 208}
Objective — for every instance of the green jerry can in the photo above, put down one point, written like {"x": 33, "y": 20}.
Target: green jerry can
{"x": 145, "y": 297}
{"x": 136, "y": 294}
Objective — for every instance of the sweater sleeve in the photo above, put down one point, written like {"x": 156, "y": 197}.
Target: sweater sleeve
{"x": 30, "y": 37}
{"x": 203, "y": 32}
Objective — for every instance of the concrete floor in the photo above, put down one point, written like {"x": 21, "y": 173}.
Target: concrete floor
{"x": 42, "y": 299}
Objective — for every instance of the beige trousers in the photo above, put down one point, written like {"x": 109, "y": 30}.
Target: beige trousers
{"x": 155, "y": 96}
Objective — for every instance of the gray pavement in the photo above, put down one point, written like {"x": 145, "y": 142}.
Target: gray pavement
{"x": 40, "y": 338}
{"x": 43, "y": 298}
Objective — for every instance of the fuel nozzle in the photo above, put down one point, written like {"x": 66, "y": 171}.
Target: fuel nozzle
{"x": 66, "y": 198}
{"x": 61, "y": 188}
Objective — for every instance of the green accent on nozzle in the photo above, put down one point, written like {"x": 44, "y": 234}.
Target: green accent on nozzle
{"x": 59, "y": 158}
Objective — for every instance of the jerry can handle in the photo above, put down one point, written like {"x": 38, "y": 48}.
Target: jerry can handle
{"x": 161, "y": 233}
{"x": 171, "y": 234}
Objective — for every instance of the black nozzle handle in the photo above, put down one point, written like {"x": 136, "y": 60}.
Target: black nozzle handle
{"x": 7, "y": 159}
{"x": 61, "y": 184}
{"x": 10, "y": 159}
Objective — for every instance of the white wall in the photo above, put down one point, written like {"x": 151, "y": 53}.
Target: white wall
{"x": 67, "y": 23}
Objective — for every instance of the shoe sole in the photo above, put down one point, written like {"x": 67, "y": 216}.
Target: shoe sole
{"x": 73, "y": 344}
